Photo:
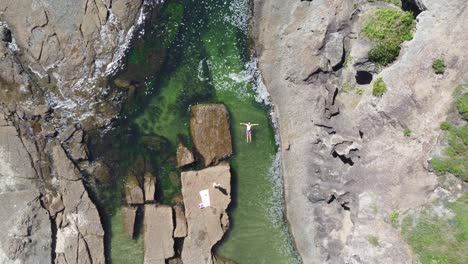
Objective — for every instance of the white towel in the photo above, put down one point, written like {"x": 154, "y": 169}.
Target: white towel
{"x": 205, "y": 197}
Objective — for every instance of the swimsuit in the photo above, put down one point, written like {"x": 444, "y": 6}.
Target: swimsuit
{"x": 248, "y": 132}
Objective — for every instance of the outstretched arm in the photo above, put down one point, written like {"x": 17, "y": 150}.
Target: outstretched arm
{"x": 243, "y": 124}
{"x": 254, "y": 124}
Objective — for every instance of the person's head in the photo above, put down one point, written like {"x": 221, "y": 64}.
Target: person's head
{"x": 248, "y": 123}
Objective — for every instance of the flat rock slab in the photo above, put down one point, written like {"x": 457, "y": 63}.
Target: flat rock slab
{"x": 128, "y": 219}
{"x": 158, "y": 228}
{"x": 209, "y": 127}
{"x": 205, "y": 226}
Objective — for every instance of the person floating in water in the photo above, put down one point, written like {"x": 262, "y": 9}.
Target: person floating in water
{"x": 248, "y": 131}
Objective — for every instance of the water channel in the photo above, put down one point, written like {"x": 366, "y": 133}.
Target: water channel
{"x": 189, "y": 52}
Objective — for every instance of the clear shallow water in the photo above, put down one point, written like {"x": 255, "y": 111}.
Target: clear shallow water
{"x": 195, "y": 51}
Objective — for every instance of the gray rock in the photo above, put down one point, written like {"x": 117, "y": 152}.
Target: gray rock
{"x": 26, "y": 228}
{"x": 65, "y": 168}
{"x": 334, "y": 49}
{"x": 78, "y": 151}
{"x": 53, "y": 203}
{"x": 205, "y": 226}
{"x": 291, "y": 39}
{"x": 128, "y": 219}
{"x": 73, "y": 44}
{"x": 180, "y": 222}
{"x": 80, "y": 235}
{"x": 158, "y": 228}
{"x": 150, "y": 186}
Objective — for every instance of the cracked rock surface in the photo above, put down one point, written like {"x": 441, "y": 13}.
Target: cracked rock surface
{"x": 54, "y": 56}
{"x": 336, "y": 143}
{"x": 206, "y": 226}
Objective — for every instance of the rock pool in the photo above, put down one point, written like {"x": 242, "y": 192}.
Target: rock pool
{"x": 190, "y": 52}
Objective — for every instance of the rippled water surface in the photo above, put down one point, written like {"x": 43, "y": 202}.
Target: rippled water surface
{"x": 192, "y": 52}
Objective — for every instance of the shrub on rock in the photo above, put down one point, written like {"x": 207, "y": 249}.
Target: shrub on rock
{"x": 379, "y": 87}
{"x": 439, "y": 66}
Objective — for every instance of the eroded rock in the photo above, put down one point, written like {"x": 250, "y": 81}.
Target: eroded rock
{"x": 25, "y": 229}
{"x": 80, "y": 235}
{"x": 209, "y": 127}
{"x": 158, "y": 228}
{"x": 206, "y": 226}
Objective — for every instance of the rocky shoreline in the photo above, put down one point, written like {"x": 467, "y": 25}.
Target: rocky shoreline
{"x": 348, "y": 160}
{"x": 53, "y": 57}
{"x": 345, "y": 159}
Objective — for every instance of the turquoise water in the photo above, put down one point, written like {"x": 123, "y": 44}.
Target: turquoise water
{"x": 196, "y": 52}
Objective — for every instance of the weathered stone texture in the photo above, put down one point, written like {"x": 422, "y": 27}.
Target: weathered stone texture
{"x": 205, "y": 226}
{"x": 158, "y": 228}
{"x": 209, "y": 127}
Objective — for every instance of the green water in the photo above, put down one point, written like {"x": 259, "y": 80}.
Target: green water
{"x": 196, "y": 52}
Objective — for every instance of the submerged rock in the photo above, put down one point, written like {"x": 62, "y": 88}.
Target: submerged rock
{"x": 205, "y": 226}
{"x": 180, "y": 222}
{"x": 128, "y": 219}
{"x": 158, "y": 228}
{"x": 184, "y": 156}
{"x": 133, "y": 191}
{"x": 150, "y": 186}
{"x": 98, "y": 171}
{"x": 209, "y": 127}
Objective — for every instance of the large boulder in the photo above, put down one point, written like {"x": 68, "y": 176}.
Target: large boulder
{"x": 133, "y": 191}
{"x": 209, "y": 127}
{"x": 158, "y": 228}
{"x": 184, "y": 156}
{"x": 206, "y": 226}
{"x": 128, "y": 219}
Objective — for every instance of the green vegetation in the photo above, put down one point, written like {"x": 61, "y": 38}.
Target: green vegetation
{"x": 373, "y": 240}
{"x": 455, "y": 160}
{"x": 439, "y": 66}
{"x": 407, "y": 132}
{"x": 455, "y": 157}
{"x": 445, "y": 126}
{"x": 439, "y": 239}
{"x": 395, "y": 2}
{"x": 462, "y": 105}
{"x": 347, "y": 87}
{"x": 389, "y": 28}
{"x": 394, "y": 218}
{"x": 379, "y": 87}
